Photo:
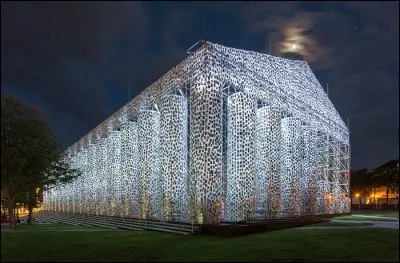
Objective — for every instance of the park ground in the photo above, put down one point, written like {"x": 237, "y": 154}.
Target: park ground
{"x": 334, "y": 240}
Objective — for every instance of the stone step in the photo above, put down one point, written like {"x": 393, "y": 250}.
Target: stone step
{"x": 143, "y": 222}
{"x": 82, "y": 221}
{"x": 156, "y": 225}
{"x": 150, "y": 222}
{"x": 168, "y": 230}
{"x": 73, "y": 222}
{"x": 85, "y": 223}
{"x": 181, "y": 226}
{"x": 141, "y": 226}
{"x": 47, "y": 215}
{"x": 47, "y": 220}
{"x": 115, "y": 222}
{"x": 118, "y": 225}
{"x": 50, "y": 220}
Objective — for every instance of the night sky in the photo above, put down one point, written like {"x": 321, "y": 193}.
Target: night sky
{"x": 76, "y": 60}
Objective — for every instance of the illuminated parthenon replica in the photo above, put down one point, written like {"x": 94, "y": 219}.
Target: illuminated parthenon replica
{"x": 225, "y": 136}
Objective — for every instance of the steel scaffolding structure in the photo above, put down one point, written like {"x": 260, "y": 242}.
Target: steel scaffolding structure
{"x": 226, "y": 135}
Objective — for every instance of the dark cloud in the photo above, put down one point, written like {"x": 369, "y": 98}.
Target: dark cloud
{"x": 76, "y": 59}
{"x": 353, "y": 46}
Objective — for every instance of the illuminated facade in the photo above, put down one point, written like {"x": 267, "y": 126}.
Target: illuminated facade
{"x": 226, "y": 135}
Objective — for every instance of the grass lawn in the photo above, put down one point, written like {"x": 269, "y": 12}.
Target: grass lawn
{"x": 283, "y": 245}
{"x": 361, "y": 218}
{"x": 384, "y": 213}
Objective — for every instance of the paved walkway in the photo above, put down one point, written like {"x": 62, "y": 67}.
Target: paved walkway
{"x": 378, "y": 217}
{"x": 374, "y": 224}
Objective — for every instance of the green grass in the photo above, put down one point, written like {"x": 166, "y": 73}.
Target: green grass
{"x": 360, "y": 218}
{"x": 384, "y": 213}
{"x": 344, "y": 223}
{"x": 284, "y": 245}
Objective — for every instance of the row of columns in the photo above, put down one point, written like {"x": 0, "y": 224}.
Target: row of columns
{"x": 138, "y": 171}
{"x": 275, "y": 166}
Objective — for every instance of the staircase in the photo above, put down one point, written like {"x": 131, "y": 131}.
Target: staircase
{"x": 113, "y": 222}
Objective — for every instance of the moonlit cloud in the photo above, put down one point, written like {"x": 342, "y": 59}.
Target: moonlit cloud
{"x": 295, "y": 39}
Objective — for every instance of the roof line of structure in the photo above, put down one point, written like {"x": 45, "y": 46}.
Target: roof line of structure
{"x": 183, "y": 68}
{"x": 155, "y": 83}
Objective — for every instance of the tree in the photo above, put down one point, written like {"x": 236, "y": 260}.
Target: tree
{"x": 31, "y": 155}
{"x": 55, "y": 173}
{"x": 4, "y": 202}
{"x": 387, "y": 176}
{"x": 360, "y": 183}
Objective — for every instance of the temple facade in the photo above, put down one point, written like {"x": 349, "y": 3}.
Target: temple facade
{"x": 227, "y": 135}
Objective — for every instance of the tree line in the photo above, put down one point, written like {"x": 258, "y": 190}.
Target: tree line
{"x": 364, "y": 182}
{"x": 31, "y": 156}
